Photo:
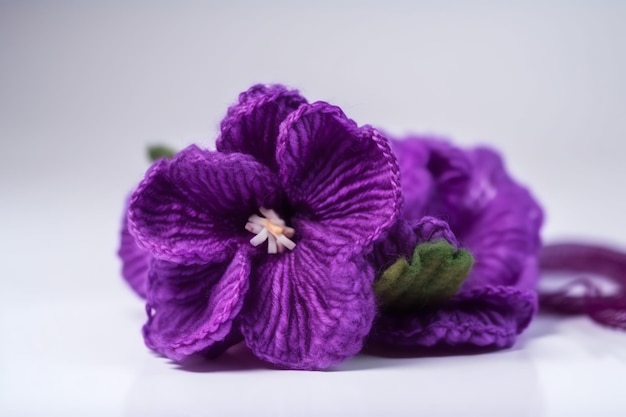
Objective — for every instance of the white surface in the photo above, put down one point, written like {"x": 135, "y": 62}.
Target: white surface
{"x": 83, "y": 88}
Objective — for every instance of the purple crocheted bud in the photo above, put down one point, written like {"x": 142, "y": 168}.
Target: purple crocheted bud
{"x": 468, "y": 199}
{"x": 266, "y": 236}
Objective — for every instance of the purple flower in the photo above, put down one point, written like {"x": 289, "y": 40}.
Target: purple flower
{"x": 468, "y": 199}
{"x": 267, "y": 236}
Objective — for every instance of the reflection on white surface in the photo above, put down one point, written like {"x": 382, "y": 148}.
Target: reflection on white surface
{"x": 364, "y": 386}
{"x": 84, "y": 87}
{"x": 87, "y": 358}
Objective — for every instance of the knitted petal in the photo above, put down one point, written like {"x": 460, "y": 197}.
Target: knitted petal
{"x": 251, "y": 125}
{"x": 401, "y": 239}
{"x": 191, "y": 307}
{"x": 417, "y": 182}
{"x": 310, "y": 310}
{"x": 428, "y": 229}
{"x": 398, "y": 242}
{"x": 231, "y": 339}
{"x": 135, "y": 260}
{"x": 487, "y": 317}
{"x": 340, "y": 176}
{"x": 194, "y": 208}
{"x": 504, "y": 229}
{"x": 436, "y": 176}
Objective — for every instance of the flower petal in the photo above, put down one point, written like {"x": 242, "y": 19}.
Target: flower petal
{"x": 232, "y": 338}
{"x": 400, "y": 241}
{"x": 435, "y": 177}
{"x": 251, "y": 126}
{"x": 194, "y": 208}
{"x": 502, "y": 230}
{"x": 191, "y": 308}
{"x": 429, "y": 229}
{"x": 417, "y": 182}
{"x": 340, "y": 176}
{"x": 135, "y": 260}
{"x": 310, "y": 310}
{"x": 491, "y": 316}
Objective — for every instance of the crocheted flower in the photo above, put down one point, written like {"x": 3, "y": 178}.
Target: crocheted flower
{"x": 267, "y": 235}
{"x": 466, "y": 200}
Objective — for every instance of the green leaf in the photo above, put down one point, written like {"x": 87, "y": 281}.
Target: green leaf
{"x": 159, "y": 151}
{"x": 434, "y": 274}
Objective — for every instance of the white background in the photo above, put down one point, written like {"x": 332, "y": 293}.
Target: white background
{"x": 85, "y": 87}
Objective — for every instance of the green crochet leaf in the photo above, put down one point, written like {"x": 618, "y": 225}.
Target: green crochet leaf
{"x": 434, "y": 274}
{"x": 159, "y": 151}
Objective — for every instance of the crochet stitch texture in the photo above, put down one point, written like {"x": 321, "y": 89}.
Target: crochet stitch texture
{"x": 277, "y": 238}
{"x": 334, "y": 183}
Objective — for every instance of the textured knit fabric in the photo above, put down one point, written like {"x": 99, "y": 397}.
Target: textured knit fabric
{"x": 334, "y": 183}
{"x": 135, "y": 260}
{"x": 433, "y": 274}
{"x": 297, "y": 285}
{"x": 467, "y": 198}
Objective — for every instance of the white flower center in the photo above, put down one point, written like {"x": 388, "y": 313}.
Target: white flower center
{"x": 271, "y": 228}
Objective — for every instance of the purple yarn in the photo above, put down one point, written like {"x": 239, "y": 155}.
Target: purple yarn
{"x": 334, "y": 183}
{"x": 587, "y": 261}
{"x": 473, "y": 201}
{"x": 135, "y": 260}
{"x": 296, "y": 286}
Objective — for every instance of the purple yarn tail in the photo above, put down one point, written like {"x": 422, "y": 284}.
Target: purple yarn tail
{"x": 588, "y": 261}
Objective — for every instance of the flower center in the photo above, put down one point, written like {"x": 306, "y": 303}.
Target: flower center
{"x": 271, "y": 228}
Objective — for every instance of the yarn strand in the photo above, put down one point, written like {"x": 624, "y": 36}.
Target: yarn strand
{"x": 586, "y": 261}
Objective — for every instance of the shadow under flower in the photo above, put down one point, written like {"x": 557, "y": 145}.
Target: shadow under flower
{"x": 426, "y": 352}
{"x": 237, "y": 358}
{"x": 240, "y": 358}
